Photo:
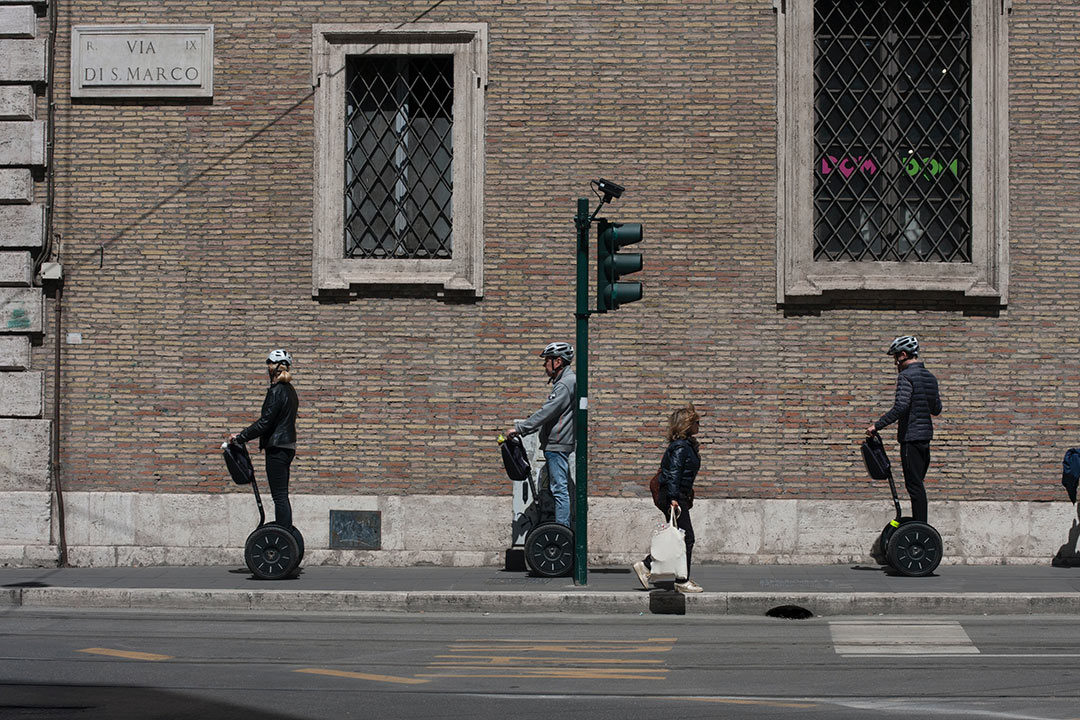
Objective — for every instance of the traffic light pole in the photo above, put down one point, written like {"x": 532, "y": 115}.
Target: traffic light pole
{"x": 581, "y": 417}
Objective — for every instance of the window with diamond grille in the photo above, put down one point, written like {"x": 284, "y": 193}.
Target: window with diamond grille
{"x": 399, "y": 156}
{"x": 892, "y": 131}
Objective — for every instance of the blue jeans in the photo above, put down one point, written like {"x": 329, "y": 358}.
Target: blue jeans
{"x": 558, "y": 465}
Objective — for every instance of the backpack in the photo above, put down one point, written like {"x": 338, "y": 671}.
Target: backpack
{"x": 1070, "y": 472}
{"x": 239, "y": 463}
{"x": 515, "y": 459}
{"x": 877, "y": 462}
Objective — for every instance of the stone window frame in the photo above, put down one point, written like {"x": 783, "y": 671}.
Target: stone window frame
{"x": 802, "y": 280}
{"x": 331, "y": 44}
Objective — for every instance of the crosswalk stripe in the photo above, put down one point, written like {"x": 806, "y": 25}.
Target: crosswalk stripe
{"x": 869, "y": 637}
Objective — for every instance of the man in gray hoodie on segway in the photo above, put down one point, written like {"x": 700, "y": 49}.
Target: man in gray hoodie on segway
{"x": 917, "y": 399}
{"x": 555, "y": 422}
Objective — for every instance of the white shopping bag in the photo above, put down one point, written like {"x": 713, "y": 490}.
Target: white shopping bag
{"x": 668, "y": 550}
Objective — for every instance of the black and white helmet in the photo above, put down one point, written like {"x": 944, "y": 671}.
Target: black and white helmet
{"x": 279, "y": 356}
{"x": 904, "y": 343}
{"x": 559, "y": 350}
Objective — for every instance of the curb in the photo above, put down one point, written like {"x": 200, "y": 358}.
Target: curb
{"x": 660, "y": 602}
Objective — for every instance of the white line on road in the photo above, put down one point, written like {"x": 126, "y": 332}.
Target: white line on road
{"x": 863, "y": 637}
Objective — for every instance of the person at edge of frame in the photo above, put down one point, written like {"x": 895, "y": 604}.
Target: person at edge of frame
{"x": 917, "y": 399}
{"x": 276, "y": 430}
{"x": 678, "y": 469}
{"x": 555, "y": 423}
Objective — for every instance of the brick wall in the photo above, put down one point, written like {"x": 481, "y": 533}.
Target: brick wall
{"x": 187, "y": 249}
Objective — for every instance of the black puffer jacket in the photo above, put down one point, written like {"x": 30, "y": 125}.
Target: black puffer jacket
{"x": 678, "y": 469}
{"x": 916, "y": 400}
{"x": 276, "y": 426}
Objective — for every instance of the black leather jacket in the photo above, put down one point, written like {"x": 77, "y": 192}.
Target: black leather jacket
{"x": 276, "y": 427}
{"x": 678, "y": 469}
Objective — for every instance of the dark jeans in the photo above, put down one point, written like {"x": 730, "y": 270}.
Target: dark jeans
{"x": 915, "y": 458}
{"x": 278, "y": 461}
{"x": 683, "y": 523}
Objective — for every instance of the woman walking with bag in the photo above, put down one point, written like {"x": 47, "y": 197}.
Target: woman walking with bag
{"x": 678, "y": 470}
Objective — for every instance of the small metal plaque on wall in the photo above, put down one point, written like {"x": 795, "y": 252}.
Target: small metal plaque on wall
{"x": 355, "y": 529}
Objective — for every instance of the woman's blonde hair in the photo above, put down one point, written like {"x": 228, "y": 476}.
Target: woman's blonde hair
{"x": 680, "y": 421}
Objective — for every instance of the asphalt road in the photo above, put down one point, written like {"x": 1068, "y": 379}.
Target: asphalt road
{"x": 138, "y": 664}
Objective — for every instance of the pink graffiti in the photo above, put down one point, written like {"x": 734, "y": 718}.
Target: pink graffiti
{"x": 848, "y": 165}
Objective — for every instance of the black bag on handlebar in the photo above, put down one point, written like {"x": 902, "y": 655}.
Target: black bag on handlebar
{"x": 239, "y": 463}
{"x": 877, "y": 462}
{"x": 515, "y": 459}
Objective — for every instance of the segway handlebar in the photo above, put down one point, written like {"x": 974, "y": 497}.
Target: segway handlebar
{"x": 876, "y": 438}
{"x": 254, "y": 485}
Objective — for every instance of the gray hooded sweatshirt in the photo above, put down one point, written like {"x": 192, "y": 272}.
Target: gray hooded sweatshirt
{"x": 555, "y": 420}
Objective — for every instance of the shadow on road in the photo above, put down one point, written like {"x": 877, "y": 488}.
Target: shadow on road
{"x": 667, "y": 602}
{"x": 97, "y": 702}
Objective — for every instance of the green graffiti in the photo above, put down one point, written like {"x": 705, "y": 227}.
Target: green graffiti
{"x": 930, "y": 168}
{"x": 18, "y": 319}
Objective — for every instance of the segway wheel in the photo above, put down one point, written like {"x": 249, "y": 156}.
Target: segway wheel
{"x": 549, "y": 550}
{"x": 883, "y": 541}
{"x": 271, "y": 552}
{"x": 914, "y": 549}
{"x": 299, "y": 543}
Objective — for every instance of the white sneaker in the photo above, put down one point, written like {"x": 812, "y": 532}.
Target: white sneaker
{"x": 643, "y": 574}
{"x": 689, "y": 587}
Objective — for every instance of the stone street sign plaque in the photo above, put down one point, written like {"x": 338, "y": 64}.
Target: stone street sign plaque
{"x": 134, "y": 61}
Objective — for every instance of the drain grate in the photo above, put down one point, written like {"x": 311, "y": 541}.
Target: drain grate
{"x": 789, "y": 612}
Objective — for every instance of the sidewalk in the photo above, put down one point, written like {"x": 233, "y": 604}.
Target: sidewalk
{"x": 730, "y": 590}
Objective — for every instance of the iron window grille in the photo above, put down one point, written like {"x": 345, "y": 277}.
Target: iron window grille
{"x": 892, "y": 131}
{"x": 399, "y": 157}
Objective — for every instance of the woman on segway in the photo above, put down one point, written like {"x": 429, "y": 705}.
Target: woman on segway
{"x": 276, "y": 430}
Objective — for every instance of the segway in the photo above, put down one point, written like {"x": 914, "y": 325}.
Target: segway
{"x": 911, "y": 547}
{"x": 272, "y": 551}
{"x": 548, "y": 547}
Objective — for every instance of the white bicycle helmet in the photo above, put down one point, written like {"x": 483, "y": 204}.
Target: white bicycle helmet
{"x": 559, "y": 350}
{"x": 279, "y": 356}
{"x": 904, "y": 343}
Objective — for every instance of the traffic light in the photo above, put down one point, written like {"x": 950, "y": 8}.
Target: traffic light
{"x": 612, "y": 265}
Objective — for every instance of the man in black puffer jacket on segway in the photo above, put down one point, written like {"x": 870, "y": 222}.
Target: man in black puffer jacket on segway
{"x": 917, "y": 399}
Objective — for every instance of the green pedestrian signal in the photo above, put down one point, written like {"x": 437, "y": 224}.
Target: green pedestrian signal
{"x": 612, "y": 265}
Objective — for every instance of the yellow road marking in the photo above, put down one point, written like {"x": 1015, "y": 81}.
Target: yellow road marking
{"x": 740, "y": 701}
{"x": 548, "y": 669}
{"x": 363, "y": 676}
{"x": 593, "y": 648}
{"x": 553, "y": 659}
{"x": 502, "y": 659}
{"x": 584, "y": 642}
{"x": 555, "y": 674}
{"x": 128, "y": 654}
